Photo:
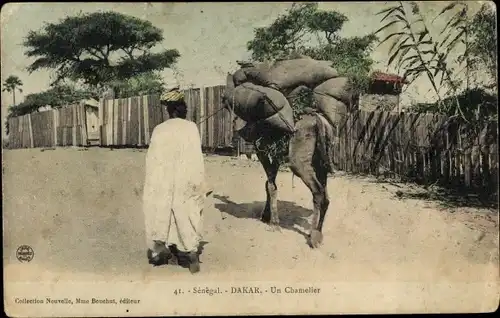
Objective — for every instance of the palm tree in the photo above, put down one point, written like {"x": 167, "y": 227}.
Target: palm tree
{"x": 11, "y": 84}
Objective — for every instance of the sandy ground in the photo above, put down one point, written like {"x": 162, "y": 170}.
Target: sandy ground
{"x": 80, "y": 212}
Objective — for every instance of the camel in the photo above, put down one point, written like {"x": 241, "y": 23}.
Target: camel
{"x": 309, "y": 156}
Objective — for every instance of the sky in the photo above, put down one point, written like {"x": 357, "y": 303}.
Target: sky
{"x": 209, "y": 36}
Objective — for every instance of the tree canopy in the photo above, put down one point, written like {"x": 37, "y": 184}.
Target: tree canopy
{"x": 304, "y": 29}
{"x": 57, "y": 96}
{"x": 143, "y": 84}
{"x": 98, "y": 47}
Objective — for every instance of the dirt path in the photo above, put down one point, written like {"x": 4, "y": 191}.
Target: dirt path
{"x": 80, "y": 212}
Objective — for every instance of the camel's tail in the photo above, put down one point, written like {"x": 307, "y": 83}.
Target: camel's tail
{"x": 325, "y": 141}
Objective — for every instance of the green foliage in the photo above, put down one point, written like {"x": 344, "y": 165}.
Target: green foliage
{"x": 143, "y": 84}
{"x": 483, "y": 44}
{"x": 277, "y": 149}
{"x": 351, "y": 58}
{"x": 481, "y": 105}
{"x": 11, "y": 84}
{"x": 292, "y": 33}
{"x": 284, "y": 36}
{"x": 301, "y": 102}
{"x": 98, "y": 47}
{"x": 416, "y": 52}
{"x": 57, "y": 96}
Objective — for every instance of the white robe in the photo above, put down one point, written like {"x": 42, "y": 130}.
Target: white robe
{"x": 174, "y": 187}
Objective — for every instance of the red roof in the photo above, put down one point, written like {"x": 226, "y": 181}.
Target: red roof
{"x": 379, "y": 76}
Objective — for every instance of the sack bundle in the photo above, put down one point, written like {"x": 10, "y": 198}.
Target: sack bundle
{"x": 254, "y": 103}
{"x": 261, "y": 93}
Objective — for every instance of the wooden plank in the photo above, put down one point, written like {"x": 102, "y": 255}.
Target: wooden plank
{"x": 353, "y": 121}
{"x": 476, "y": 161}
{"x": 102, "y": 131}
{"x": 405, "y": 145}
{"x": 26, "y": 131}
{"x": 102, "y": 122}
{"x": 101, "y": 113}
{"x": 21, "y": 135}
{"x": 494, "y": 166}
{"x": 145, "y": 109}
{"x": 359, "y": 140}
{"x": 10, "y": 135}
{"x": 18, "y": 133}
{"x": 30, "y": 132}
{"x": 14, "y": 132}
{"x": 140, "y": 116}
{"x": 467, "y": 168}
{"x": 116, "y": 125}
{"x": 209, "y": 120}
{"x": 127, "y": 121}
{"x": 20, "y": 130}
{"x": 123, "y": 122}
{"x": 36, "y": 131}
{"x": 216, "y": 117}
{"x": 77, "y": 125}
{"x": 73, "y": 125}
{"x": 445, "y": 157}
{"x": 78, "y": 135}
{"x": 485, "y": 156}
{"x": 64, "y": 136}
{"x": 202, "y": 115}
{"x": 119, "y": 118}
{"x": 84, "y": 126}
{"x": 134, "y": 121}
{"x": 103, "y": 125}
{"x": 23, "y": 132}
{"x": 110, "y": 125}
{"x": 187, "y": 99}
{"x": 363, "y": 141}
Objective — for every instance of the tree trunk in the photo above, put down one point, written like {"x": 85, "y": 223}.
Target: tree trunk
{"x": 14, "y": 97}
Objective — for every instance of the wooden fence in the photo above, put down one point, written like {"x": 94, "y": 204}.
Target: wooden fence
{"x": 58, "y": 127}
{"x": 130, "y": 121}
{"x": 426, "y": 147}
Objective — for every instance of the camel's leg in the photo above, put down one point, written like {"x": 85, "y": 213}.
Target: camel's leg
{"x": 322, "y": 176}
{"x": 320, "y": 203}
{"x": 304, "y": 163}
{"x": 270, "y": 212}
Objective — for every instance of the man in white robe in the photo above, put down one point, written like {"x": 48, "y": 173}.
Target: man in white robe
{"x": 174, "y": 188}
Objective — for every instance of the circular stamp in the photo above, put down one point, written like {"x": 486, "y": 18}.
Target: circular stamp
{"x": 25, "y": 253}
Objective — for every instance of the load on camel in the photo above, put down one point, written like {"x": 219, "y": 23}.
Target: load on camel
{"x": 267, "y": 96}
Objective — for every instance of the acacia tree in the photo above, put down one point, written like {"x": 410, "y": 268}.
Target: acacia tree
{"x": 301, "y": 26}
{"x": 11, "y": 84}
{"x": 98, "y": 48}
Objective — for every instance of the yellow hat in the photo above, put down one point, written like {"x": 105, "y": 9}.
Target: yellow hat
{"x": 172, "y": 96}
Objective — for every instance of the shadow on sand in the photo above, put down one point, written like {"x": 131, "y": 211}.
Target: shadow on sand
{"x": 451, "y": 197}
{"x": 290, "y": 214}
